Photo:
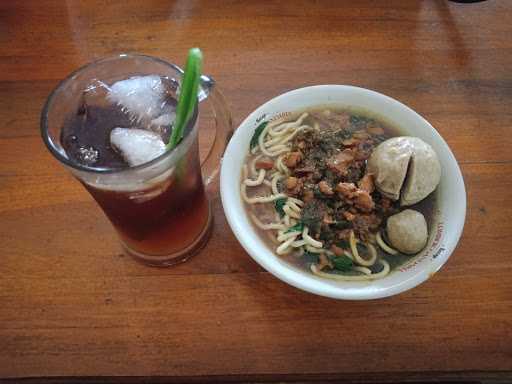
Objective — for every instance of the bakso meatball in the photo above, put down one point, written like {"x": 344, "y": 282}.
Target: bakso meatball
{"x": 405, "y": 165}
{"x": 407, "y": 231}
{"x": 424, "y": 173}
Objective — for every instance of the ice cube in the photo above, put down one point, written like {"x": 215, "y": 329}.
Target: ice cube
{"x": 165, "y": 119}
{"x": 88, "y": 155}
{"x": 96, "y": 93}
{"x": 142, "y": 97}
{"x": 137, "y": 146}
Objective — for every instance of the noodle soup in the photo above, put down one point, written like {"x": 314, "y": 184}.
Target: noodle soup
{"x": 314, "y": 187}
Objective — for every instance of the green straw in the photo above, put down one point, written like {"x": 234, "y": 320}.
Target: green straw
{"x": 188, "y": 95}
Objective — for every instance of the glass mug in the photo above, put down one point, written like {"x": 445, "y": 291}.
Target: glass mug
{"x": 159, "y": 209}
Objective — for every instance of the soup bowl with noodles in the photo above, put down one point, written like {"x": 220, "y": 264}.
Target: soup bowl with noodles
{"x": 343, "y": 192}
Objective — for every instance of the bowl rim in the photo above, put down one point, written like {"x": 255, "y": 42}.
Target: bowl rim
{"x": 287, "y": 273}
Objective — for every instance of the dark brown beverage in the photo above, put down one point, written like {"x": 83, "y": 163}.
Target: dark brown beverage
{"x": 166, "y": 218}
{"x": 164, "y": 215}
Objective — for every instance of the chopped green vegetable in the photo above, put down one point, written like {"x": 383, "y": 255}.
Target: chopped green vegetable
{"x": 343, "y": 243}
{"x": 354, "y": 119}
{"x": 297, "y": 227}
{"x": 279, "y": 204}
{"x": 309, "y": 257}
{"x": 313, "y": 213}
{"x": 342, "y": 224}
{"x": 257, "y": 132}
{"x": 342, "y": 263}
{"x": 344, "y": 134}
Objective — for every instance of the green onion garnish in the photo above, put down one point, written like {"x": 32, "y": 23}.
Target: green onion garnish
{"x": 188, "y": 95}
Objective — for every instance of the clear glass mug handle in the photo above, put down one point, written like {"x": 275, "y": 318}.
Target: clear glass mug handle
{"x": 223, "y": 128}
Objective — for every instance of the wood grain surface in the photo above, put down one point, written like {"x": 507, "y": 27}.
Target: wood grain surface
{"x": 71, "y": 305}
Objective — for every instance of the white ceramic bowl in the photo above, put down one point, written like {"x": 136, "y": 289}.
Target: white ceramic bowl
{"x": 451, "y": 199}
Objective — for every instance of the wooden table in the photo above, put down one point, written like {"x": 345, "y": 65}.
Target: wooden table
{"x": 71, "y": 305}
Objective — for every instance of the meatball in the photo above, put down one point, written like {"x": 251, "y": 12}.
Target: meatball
{"x": 407, "y": 231}
{"x": 388, "y": 163}
{"x": 405, "y": 165}
{"x": 424, "y": 173}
